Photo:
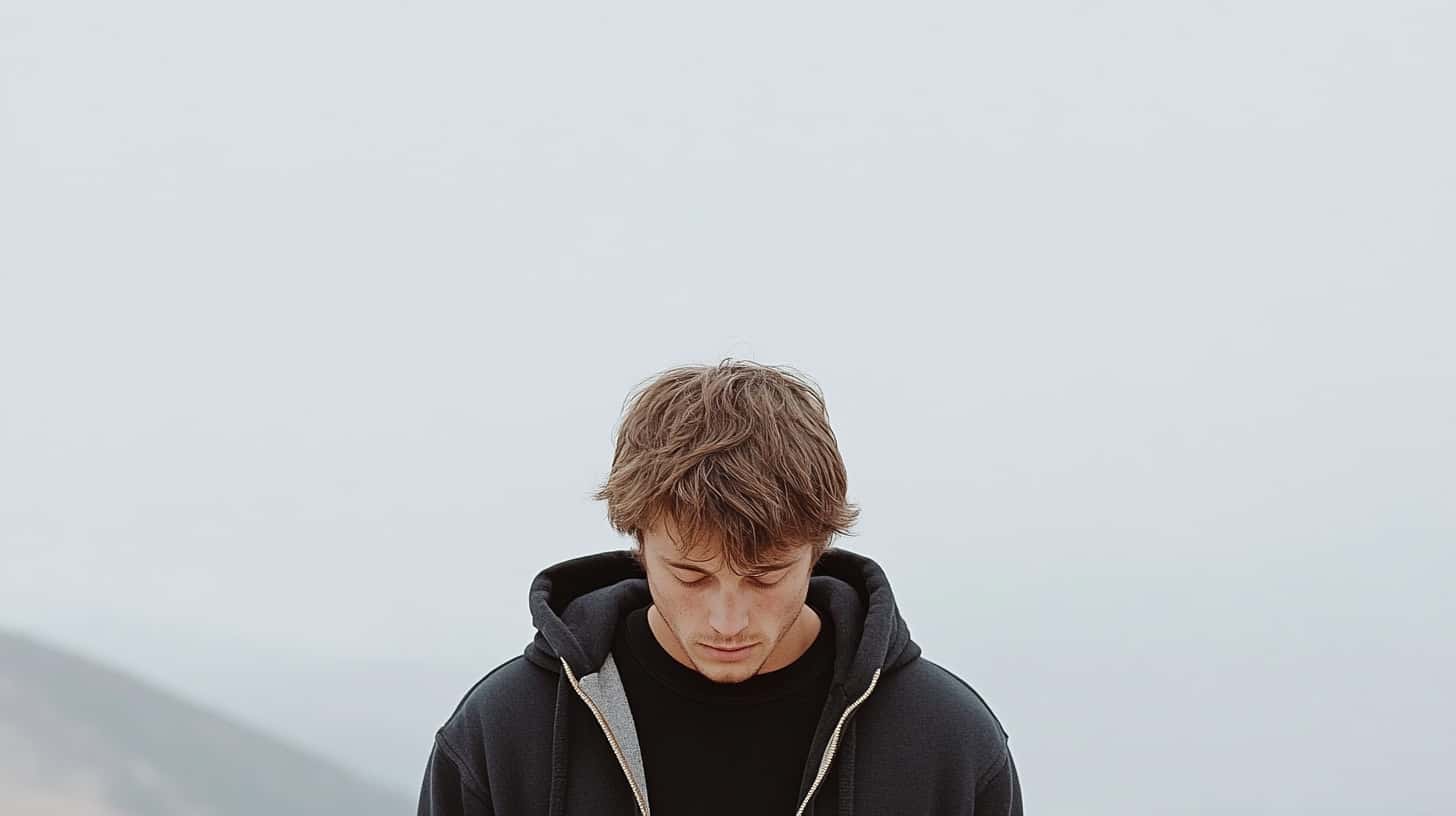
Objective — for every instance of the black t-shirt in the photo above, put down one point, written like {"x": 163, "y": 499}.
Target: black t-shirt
{"x": 721, "y": 748}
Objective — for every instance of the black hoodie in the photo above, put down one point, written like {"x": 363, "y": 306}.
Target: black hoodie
{"x": 551, "y": 732}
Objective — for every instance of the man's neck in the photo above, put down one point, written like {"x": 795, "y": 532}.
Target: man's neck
{"x": 793, "y": 645}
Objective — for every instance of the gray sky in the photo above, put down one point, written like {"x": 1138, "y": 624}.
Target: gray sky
{"x": 1133, "y": 318}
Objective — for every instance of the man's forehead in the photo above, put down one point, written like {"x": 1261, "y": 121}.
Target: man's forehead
{"x": 707, "y": 556}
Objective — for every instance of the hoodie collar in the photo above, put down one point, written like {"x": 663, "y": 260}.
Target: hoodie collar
{"x": 576, "y": 606}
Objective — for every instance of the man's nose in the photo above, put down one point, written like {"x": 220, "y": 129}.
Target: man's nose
{"x": 728, "y": 613}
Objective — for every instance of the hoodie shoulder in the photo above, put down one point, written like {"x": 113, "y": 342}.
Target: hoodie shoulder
{"x": 948, "y": 718}
{"x": 507, "y": 711}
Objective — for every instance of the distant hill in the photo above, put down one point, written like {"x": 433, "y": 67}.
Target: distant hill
{"x": 80, "y": 739}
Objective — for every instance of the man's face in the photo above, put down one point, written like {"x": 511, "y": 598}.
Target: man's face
{"x": 759, "y": 619}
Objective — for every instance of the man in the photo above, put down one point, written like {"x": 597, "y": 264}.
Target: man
{"x": 731, "y": 663}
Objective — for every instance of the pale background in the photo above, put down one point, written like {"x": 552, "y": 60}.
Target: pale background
{"x": 1134, "y": 319}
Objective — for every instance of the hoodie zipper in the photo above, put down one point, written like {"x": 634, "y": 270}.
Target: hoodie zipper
{"x": 612, "y": 739}
{"x": 833, "y": 746}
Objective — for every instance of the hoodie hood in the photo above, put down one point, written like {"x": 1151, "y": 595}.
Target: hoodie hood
{"x": 576, "y": 606}
{"x": 570, "y": 680}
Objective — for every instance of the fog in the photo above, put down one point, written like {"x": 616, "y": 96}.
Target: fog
{"x": 1133, "y": 320}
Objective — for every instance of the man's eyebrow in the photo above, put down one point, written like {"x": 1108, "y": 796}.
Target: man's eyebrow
{"x": 695, "y": 568}
{"x": 686, "y": 566}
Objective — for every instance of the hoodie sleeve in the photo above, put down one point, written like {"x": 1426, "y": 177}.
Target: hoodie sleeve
{"x": 449, "y": 791}
{"x": 1001, "y": 794}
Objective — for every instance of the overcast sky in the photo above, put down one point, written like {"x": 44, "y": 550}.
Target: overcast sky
{"x": 1134, "y": 321}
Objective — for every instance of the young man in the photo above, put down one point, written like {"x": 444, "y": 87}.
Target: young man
{"x": 731, "y": 663}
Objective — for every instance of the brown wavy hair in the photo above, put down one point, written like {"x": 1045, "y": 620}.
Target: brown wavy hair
{"x": 738, "y": 452}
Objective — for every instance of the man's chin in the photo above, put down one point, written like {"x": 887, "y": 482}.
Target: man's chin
{"x": 727, "y": 675}
{"x": 733, "y": 672}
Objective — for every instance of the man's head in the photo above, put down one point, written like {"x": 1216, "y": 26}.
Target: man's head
{"x": 725, "y": 625}
{"x": 728, "y": 476}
